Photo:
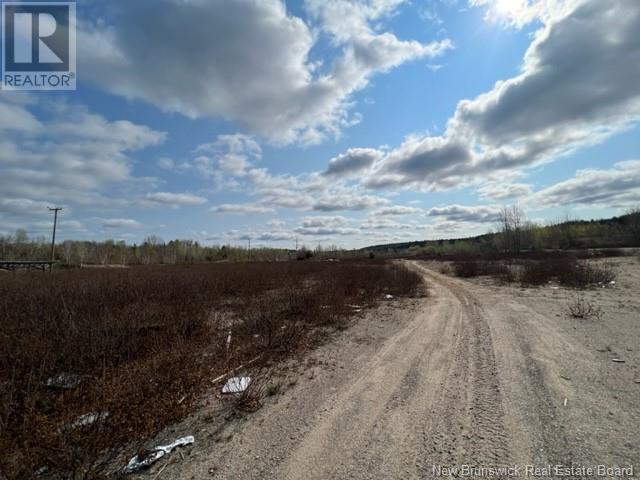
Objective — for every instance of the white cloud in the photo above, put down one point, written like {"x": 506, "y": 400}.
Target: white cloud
{"x": 175, "y": 199}
{"x": 23, "y": 206}
{"x": 353, "y": 161}
{"x": 616, "y": 187}
{"x": 231, "y": 154}
{"x": 120, "y": 223}
{"x": 466, "y": 214}
{"x": 275, "y": 236}
{"x": 69, "y": 157}
{"x": 241, "y": 208}
{"x": 335, "y": 203}
{"x": 383, "y": 224}
{"x": 325, "y": 225}
{"x": 565, "y": 98}
{"x": 324, "y": 231}
{"x": 244, "y": 60}
{"x": 504, "y": 191}
{"x": 324, "y": 221}
{"x": 397, "y": 210}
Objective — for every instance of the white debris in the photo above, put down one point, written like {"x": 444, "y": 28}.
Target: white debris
{"x": 612, "y": 282}
{"x": 555, "y": 288}
{"x": 617, "y": 360}
{"x": 137, "y": 463}
{"x": 89, "y": 419}
{"x": 229, "y": 340}
{"x": 388, "y": 297}
{"x": 236, "y": 385}
{"x": 64, "y": 381}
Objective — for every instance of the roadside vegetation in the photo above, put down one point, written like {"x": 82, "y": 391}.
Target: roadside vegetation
{"x": 152, "y": 250}
{"x": 514, "y": 234}
{"x": 564, "y": 269}
{"x": 94, "y": 361}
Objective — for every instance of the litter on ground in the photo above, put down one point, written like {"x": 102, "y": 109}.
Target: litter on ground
{"x": 145, "y": 461}
{"x": 617, "y": 360}
{"x": 236, "y": 385}
{"x": 388, "y": 297}
{"x": 64, "y": 381}
{"x": 89, "y": 419}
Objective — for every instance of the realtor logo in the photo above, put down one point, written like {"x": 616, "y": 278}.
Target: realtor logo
{"x": 39, "y": 45}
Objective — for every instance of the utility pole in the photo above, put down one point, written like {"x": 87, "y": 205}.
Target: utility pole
{"x": 53, "y": 239}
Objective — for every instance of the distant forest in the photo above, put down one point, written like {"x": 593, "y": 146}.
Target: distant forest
{"x": 513, "y": 233}
{"x": 152, "y": 251}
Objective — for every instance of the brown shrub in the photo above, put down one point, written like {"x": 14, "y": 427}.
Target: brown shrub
{"x": 144, "y": 342}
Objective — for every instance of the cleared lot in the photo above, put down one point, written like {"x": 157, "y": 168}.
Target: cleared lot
{"x": 474, "y": 374}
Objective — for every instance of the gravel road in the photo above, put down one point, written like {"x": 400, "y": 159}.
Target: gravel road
{"x": 465, "y": 376}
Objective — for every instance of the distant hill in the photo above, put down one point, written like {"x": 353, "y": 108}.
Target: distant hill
{"x": 615, "y": 232}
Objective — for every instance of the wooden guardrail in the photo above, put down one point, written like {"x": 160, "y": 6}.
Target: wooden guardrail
{"x": 12, "y": 265}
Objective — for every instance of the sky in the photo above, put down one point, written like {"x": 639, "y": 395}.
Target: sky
{"x": 328, "y": 122}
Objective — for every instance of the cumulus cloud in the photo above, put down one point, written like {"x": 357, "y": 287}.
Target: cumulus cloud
{"x": 228, "y": 154}
{"x": 564, "y": 98}
{"x": 325, "y": 225}
{"x": 516, "y": 13}
{"x": 353, "y": 161}
{"x": 616, "y": 187}
{"x": 241, "y": 208}
{"x": 397, "y": 210}
{"x": 275, "y": 236}
{"x": 324, "y": 221}
{"x": 70, "y": 156}
{"x": 175, "y": 199}
{"x": 120, "y": 223}
{"x": 244, "y": 60}
{"x": 349, "y": 202}
{"x": 383, "y": 224}
{"x": 466, "y": 214}
{"x": 504, "y": 191}
{"x": 22, "y": 206}
{"x": 323, "y": 231}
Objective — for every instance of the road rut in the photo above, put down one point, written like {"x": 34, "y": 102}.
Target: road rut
{"x": 466, "y": 379}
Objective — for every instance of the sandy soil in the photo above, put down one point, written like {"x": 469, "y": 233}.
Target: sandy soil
{"x": 474, "y": 374}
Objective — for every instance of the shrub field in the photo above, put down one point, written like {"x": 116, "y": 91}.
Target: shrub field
{"x": 565, "y": 270}
{"x": 93, "y": 361}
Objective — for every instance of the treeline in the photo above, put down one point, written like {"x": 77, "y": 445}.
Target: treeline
{"x": 152, "y": 251}
{"x": 514, "y": 233}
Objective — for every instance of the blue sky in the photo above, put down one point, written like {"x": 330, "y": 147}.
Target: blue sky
{"x": 334, "y": 122}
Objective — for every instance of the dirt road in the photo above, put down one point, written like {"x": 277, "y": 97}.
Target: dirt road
{"x": 464, "y": 376}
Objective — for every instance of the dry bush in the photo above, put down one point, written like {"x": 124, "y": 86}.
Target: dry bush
{"x": 145, "y": 342}
{"x": 496, "y": 269}
{"x": 579, "y": 307}
{"x": 566, "y": 271}
{"x": 466, "y": 269}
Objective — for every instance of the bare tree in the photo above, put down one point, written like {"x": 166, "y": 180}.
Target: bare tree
{"x": 511, "y": 221}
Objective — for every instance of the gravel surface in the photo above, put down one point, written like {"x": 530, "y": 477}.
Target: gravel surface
{"x": 473, "y": 374}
